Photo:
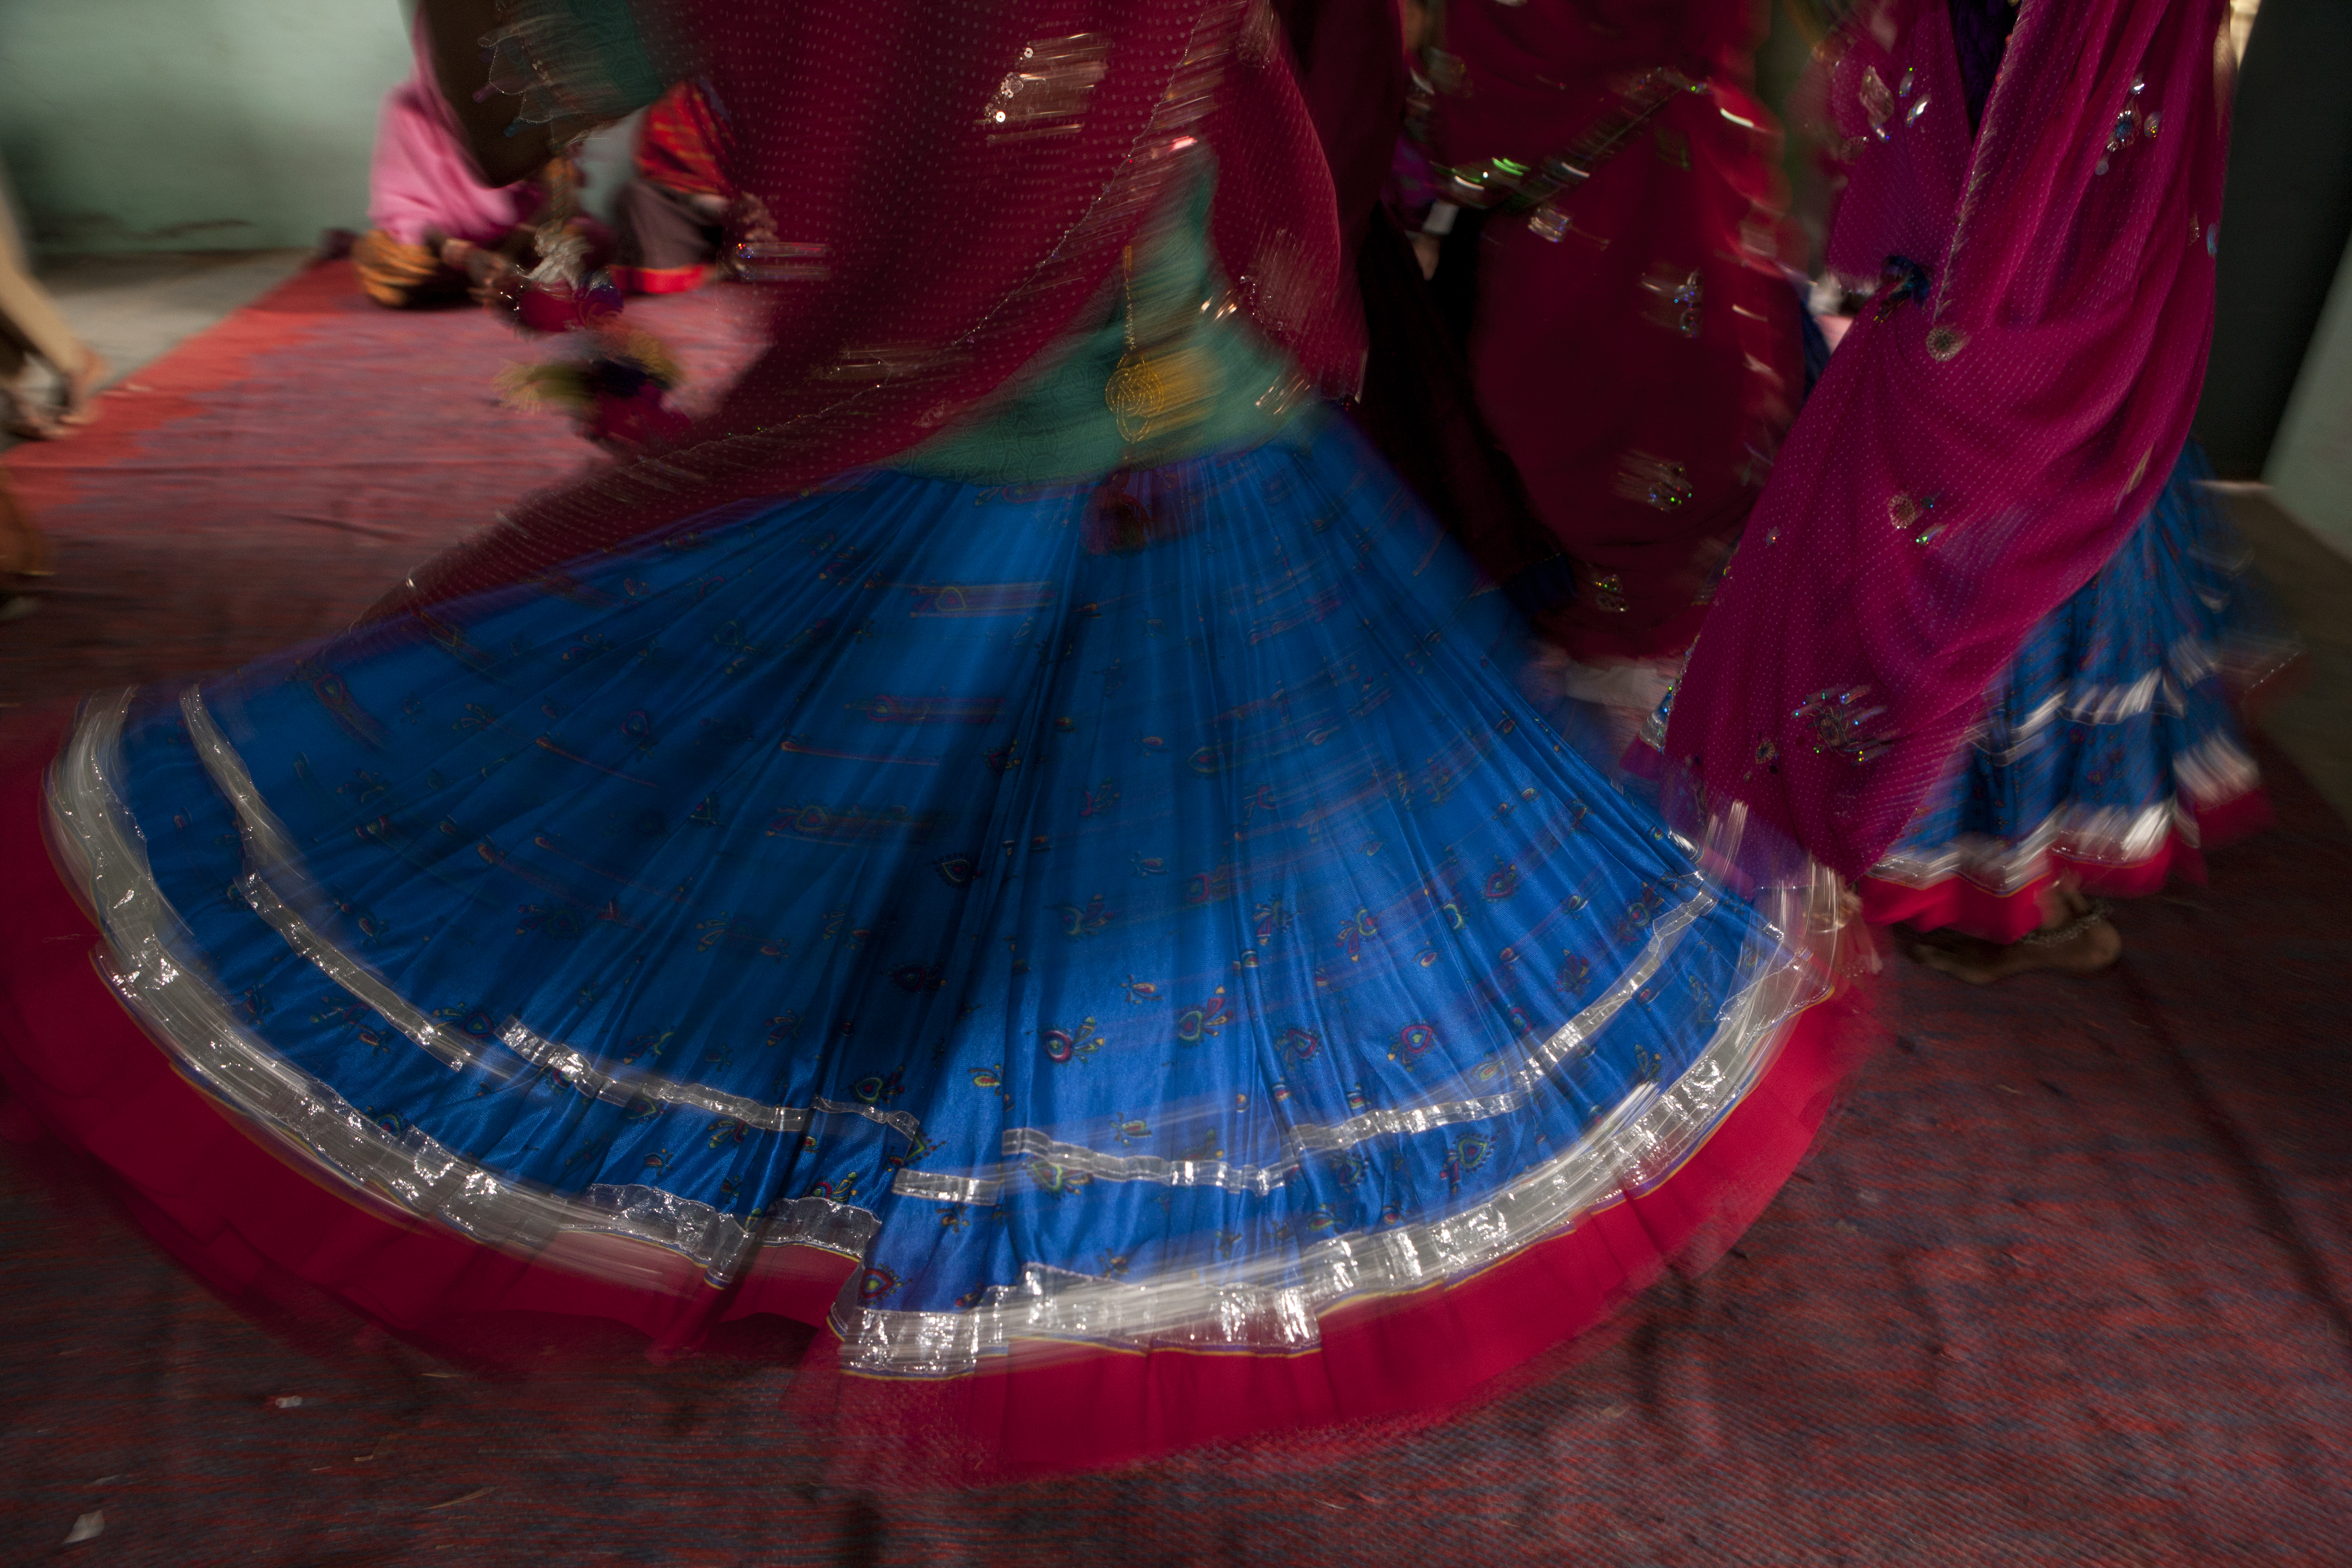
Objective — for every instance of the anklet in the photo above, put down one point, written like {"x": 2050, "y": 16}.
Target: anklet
{"x": 2058, "y": 936}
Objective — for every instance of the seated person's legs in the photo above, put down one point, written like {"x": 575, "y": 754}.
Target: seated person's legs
{"x": 664, "y": 241}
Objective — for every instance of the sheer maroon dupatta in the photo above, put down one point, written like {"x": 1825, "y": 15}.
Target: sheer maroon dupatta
{"x": 1980, "y": 445}
{"x": 952, "y": 181}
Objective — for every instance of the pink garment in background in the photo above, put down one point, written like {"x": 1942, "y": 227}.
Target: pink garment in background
{"x": 421, "y": 176}
{"x": 1971, "y": 457}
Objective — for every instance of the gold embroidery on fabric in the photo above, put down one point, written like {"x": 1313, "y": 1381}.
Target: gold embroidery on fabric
{"x": 1046, "y": 93}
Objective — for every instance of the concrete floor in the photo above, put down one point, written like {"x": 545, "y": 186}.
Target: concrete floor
{"x": 134, "y": 309}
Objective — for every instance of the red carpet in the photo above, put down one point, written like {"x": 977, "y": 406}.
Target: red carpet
{"x": 275, "y": 475}
{"x": 2065, "y": 1281}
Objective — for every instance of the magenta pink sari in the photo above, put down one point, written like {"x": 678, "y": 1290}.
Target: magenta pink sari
{"x": 421, "y": 177}
{"x": 1977, "y": 448}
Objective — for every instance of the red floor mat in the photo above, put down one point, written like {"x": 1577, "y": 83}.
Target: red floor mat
{"x": 274, "y": 475}
{"x": 2065, "y": 1282}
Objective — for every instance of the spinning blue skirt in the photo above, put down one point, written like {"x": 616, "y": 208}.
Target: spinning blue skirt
{"x": 1137, "y": 921}
{"x": 2112, "y": 747}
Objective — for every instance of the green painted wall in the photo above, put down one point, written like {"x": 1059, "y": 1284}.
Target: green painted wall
{"x": 193, "y": 124}
{"x": 2311, "y": 462}
{"x": 206, "y": 124}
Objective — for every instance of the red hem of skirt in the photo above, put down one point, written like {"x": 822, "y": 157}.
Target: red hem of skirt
{"x": 278, "y": 1235}
{"x": 1962, "y": 905}
{"x": 659, "y": 279}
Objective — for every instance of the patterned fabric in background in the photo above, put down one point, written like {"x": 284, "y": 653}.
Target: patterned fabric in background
{"x": 2116, "y": 730}
{"x": 998, "y": 886}
{"x": 681, "y": 144}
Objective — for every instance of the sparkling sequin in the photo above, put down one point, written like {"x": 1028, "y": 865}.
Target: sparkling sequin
{"x": 1279, "y": 289}
{"x": 1674, "y": 296}
{"x": 2132, "y": 121}
{"x": 1839, "y": 723}
{"x": 1904, "y": 511}
{"x": 1481, "y": 186}
{"x": 1536, "y": 188}
{"x": 1046, "y": 93}
{"x": 1284, "y": 394}
{"x": 1877, "y": 102}
{"x": 1654, "y": 481}
{"x": 1555, "y": 223}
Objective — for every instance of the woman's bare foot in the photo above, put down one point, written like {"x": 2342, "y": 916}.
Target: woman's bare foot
{"x": 77, "y": 403}
{"x": 24, "y": 418}
{"x": 77, "y": 399}
{"x": 2075, "y": 938}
